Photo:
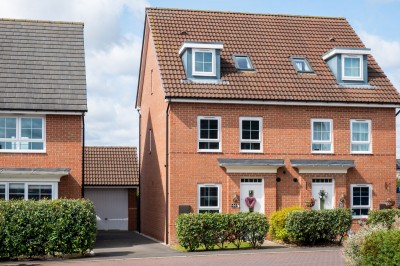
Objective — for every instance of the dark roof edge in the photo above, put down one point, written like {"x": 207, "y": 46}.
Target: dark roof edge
{"x": 43, "y": 110}
{"x": 313, "y": 163}
{"x": 43, "y": 21}
{"x": 105, "y": 185}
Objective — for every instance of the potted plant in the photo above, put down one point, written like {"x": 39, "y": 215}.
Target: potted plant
{"x": 310, "y": 202}
{"x": 389, "y": 202}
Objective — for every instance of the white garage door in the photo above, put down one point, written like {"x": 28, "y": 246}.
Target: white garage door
{"x": 111, "y": 206}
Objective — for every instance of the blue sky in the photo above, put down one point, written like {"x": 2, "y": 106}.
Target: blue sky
{"x": 113, "y": 33}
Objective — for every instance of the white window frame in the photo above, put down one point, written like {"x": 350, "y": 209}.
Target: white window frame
{"x": 361, "y": 142}
{"x": 18, "y": 138}
{"x": 260, "y": 134}
{"x": 54, "y": 188}
{"x": 360, "y": 57}
{"x": 218, "y": 208}
{"x": 213, "y": 65}
{"x": 360, "y": 206}
{"x": 219, "y": 140}
{"x": 322, "y": 141}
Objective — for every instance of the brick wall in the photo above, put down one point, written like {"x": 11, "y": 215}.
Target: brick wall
{"x": 63, "y": 150}
{"x": 286, "y": 135}
{"x": 152, "y": 150}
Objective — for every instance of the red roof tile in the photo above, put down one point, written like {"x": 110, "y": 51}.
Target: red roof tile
{"x": 111, "y": 166}
{"x": 269, "y": 40}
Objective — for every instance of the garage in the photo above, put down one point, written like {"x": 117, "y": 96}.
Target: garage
{"x": 111, "y": 182}
{"x": 111, "y": 205}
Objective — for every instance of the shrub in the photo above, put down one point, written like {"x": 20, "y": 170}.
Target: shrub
{"x": 310, "y": 226}
{"x": 188, "y": 229}
{"x": 37, "y": 228}
{"x": 384, "y": 217}
{"x": 217, "y": 229}
{"x": 381, "y": 248}
{"x": 352, "y": 246}
{"x": 278, "y": 221}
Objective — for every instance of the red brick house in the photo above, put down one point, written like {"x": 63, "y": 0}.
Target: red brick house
{"x": 111, "y": 183}
{"x": 283, "y": 108}
{"x": 42, "y": 108}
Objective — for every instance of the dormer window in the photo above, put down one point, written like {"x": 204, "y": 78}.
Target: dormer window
{"x": 352, "y": 67}
{"x": 301, "y": 65}
{"x": 349, "y": 65}
{"x": 203, "y": 62}
{"x": 243, "y": 62}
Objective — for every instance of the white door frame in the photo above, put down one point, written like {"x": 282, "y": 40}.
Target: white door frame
{"x": 242, "y": 197}
{"x": 330, "y": 184}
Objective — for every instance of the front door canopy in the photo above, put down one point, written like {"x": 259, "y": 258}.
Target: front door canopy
{"x": 322, "y": 166}
{"x": 33, "y": 174}
{"x": 251, "y": 165}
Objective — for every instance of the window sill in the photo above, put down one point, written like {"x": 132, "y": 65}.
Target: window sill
{"x": 22, "y": 151}
{"x": 361, "y": 153}
{"x": 209, "y": 151}
{"x": 250, "y": 151}
{"x": 322, "y": 152}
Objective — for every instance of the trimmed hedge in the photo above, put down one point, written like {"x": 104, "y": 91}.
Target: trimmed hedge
{"x": 384, "y": 217}
{"x": 217, "y": 229}
{"x": 313, "y": 226}
{"x": 277, "y": 229}
{"x": 46, "y": 227}
{"x": 381, "y": 248}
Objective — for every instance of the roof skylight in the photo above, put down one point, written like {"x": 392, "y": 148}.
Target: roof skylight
{"x": 301, "y": 65}
{"x": 243, "y": 62}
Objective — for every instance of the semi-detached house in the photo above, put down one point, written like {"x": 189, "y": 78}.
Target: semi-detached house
{"x": 42, "y": 107}
{"x": 283, "y": 108}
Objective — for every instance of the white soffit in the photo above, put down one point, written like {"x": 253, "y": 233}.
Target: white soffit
{"x": 201, "y": 45}
{"x": 334, "y": 51}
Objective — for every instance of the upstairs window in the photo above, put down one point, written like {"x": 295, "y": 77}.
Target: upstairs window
{"x": 321, "y": 136}
{"x": 243, "y": 62}
{"x": 250, "y": 134}
{"x": 360, "y": 136}
{"x": 209, "y": 134}
{"x": 22, "y": 134}
{"x": 203, "y": 62}
{"x": 352, "y": 67}
{"x": 301, "y": 65}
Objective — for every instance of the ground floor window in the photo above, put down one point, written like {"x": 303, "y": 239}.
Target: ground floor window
{"x": 209, "y": 197}
{"x": 361, "y": 200}
{"x": 28, "y": 190}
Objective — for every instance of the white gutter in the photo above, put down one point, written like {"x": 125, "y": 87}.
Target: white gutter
{"x": 292, "y": 103}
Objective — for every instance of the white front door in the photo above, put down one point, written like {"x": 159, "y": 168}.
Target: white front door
{"x": 254, "y": 187}
{"x": 323, "y": 186}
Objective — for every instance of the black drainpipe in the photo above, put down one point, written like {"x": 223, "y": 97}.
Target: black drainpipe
{"x": 140, "y": 193}
{"x": 83, "y": 155}
{"x": 397, "y": 112}
{"x": 166, "y": 173}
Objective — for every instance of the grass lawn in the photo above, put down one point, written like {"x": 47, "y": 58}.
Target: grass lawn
{"x": 243, "y": 245}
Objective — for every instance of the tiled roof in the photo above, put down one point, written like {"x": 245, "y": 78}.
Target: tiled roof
{"x": 42, "y": 66}
{"x": 111, "y": 166}
{"x": 269, "y": 40}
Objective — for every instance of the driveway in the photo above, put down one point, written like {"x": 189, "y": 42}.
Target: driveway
{"x": 129, "y": 244}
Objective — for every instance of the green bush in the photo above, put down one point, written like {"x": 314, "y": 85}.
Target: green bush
{"x": 277, "y": 230}
{"x": 37, "y": 228}
{"x": 217, "y": 229}
{"x": 384, "y": 217}
{"x": 352, "y": 246}
{"x": 311, "y": 226}
{"x": 381, "y": 248}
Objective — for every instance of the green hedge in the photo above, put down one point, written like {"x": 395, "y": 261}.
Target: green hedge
{"x": 384, "y": 217}
{"x": 218, "y": 229}
{"x": 381, "y": 248}
{"x": 46, "y": 227}
{"x": 313, "y": 226}
{"x": 277, "y": 230}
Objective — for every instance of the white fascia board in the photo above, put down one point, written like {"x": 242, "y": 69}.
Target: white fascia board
{"x": 251, "y": 169}
{"x": 322, "y": 169}
{"x": 201, "y": 45}
{"x": 54, "y": 176}
{"x": 19, "y": 112}
{"x": 356, "y": 51}
{"x": 110, "y": 187}
{"x": 291, "y": 103}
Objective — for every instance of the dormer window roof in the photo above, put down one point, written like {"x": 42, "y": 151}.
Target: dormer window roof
{"x": 354, "y": 51}
{"x": 200, "y": 45}
{"x": 243, "y": 62}
{"x": 301, "y": 65}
